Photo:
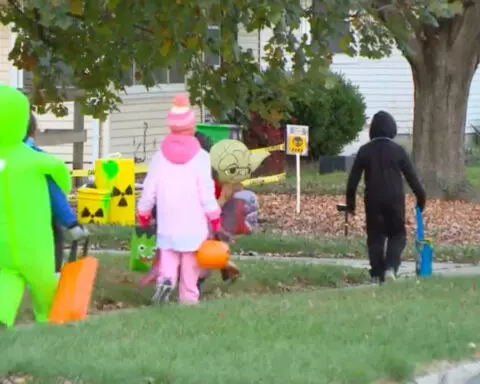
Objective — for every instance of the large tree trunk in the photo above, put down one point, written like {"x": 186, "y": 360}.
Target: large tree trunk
{"x": 443, "y": 70}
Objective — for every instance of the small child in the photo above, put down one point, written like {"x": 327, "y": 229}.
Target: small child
{"x": 384, "y": 162}
{"x": 223, "y": 195}
{"x": 62, "y": 214}
{"x": 179, "y": 183}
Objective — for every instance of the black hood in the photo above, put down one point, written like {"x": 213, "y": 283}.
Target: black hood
{"x": 383, "y": 125}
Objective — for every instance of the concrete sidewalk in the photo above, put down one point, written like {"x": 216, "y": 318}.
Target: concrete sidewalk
{"x": 467, "y": 373}
{"x": 406, "y": 269}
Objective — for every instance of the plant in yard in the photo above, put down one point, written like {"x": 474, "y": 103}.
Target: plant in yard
{"x": 335, "y": 114}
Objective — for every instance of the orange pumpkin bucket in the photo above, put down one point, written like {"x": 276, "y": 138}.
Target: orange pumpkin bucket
{"x": 213, "y": 254}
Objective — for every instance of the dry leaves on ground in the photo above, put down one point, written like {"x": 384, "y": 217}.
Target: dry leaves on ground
{"x": 450, "y": 222}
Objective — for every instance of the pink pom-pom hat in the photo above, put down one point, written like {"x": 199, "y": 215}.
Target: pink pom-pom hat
{"x": 181, "y": 118}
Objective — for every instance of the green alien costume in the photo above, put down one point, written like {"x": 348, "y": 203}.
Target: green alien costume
{"x": 26, "y": 239}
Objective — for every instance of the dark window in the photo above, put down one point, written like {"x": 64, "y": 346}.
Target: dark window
{"x": 211, "y": 57}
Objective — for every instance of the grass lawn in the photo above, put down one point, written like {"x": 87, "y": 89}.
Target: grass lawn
{"x": 351, "y": 336}
{"x": 311, "y": 182}
{"x": 299, "y": 245}
{"x": 473, "y": 174}
{"x": 331, "y": 183}
{"x": 116, "y": 287}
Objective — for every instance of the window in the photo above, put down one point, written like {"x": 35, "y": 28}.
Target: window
{"x": 211, "y": 57}
{"x": 214, "y": 59}
{"x": 64, "y": 72}
{"x": 171, "y": 75}
{"x": 174, "y": 74}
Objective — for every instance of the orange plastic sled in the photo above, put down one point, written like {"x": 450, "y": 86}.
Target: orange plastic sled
{"x": 75, "y": 287}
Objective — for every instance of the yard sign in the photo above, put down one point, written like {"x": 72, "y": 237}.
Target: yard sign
{"x": 297, "y": 144}
{"x": 297, "y": 140}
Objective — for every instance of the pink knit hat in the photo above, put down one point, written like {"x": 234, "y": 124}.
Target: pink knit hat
{"x": 181, "y": 118}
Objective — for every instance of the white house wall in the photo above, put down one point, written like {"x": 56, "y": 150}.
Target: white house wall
{"x": 387, "y": 84}
{"x": 127, "y": 124}
{"x": 249, "y": 40}
{"x": 5, "y": 46}
{"x": 151, "y": 107}
{"x": 65, "y": 151}
{"x": 473, "y": 112}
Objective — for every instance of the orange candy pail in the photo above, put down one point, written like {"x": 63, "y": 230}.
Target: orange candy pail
{"x": 213, "y": 254}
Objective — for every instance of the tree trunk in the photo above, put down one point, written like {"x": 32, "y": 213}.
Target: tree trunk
{"x": 442, "y": 75}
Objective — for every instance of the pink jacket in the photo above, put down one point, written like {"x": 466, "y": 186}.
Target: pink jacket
{"x": 179, "y": 182}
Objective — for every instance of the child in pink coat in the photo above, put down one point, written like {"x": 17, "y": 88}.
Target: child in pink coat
{"x": 179, "y": 183}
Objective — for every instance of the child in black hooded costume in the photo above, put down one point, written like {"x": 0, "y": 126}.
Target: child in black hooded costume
{"x": 384, "y": 162}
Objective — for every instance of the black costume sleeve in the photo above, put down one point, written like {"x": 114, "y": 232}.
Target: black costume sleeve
{"x": 354, "y": 179}
{"x": 412, "y": 179}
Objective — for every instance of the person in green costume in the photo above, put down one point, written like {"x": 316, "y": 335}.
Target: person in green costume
{"x": 26, "y": 239}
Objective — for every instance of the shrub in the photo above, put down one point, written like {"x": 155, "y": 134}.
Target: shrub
{"x": 334, "y": 114}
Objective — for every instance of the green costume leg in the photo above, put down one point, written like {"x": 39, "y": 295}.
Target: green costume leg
{"x": 41, "y": 280}
{"x": 12, "y": 287}
{"x": 43, "y": 285}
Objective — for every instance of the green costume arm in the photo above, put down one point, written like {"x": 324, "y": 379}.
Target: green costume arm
{"x": 55, "y": 168}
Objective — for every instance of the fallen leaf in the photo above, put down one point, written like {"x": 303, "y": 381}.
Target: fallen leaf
{"x": 448, "y": 222}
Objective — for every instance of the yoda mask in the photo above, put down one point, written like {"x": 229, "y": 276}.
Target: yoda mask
{"x": 233, "y": 162}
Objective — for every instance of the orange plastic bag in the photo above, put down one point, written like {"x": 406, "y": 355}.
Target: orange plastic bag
{"x": 75, "y": 287}
{"x": 213, "y": 254}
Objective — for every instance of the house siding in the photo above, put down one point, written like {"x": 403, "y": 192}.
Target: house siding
{"x": 127, "y": 124}
{"x": 387, "y": 84}
{"x": 65, "y": 151}
{"x": 46, "y": 121}
{"x": 250, "y": 41}
{"x": 5, "y": 46}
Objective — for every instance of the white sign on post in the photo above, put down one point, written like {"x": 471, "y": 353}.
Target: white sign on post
{"x": 297, "y": 144}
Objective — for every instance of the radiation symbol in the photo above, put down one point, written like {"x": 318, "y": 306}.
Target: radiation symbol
{"x": 98, "y": 214}
{"x": 116, "y": 193}
{"x": 297, "y": 144}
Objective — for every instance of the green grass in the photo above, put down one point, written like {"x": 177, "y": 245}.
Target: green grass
{"x": 331, "y": 183}
{"x": 116, "y": 287}
{"x": 299, "y": 245}
{"x": 311, "y": 182}
{"x": 341, "y": 247}
{"x": 351, "y": 336}
{"x": 473, "y": 174}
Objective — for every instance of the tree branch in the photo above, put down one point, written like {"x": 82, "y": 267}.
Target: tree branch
{"x": 34, "y": 24}
{"x": 469, "y": 29}
{"x": 386, "y": 12}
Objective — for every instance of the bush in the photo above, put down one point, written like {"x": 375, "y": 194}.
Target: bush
{"x": 334, "y": 114}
